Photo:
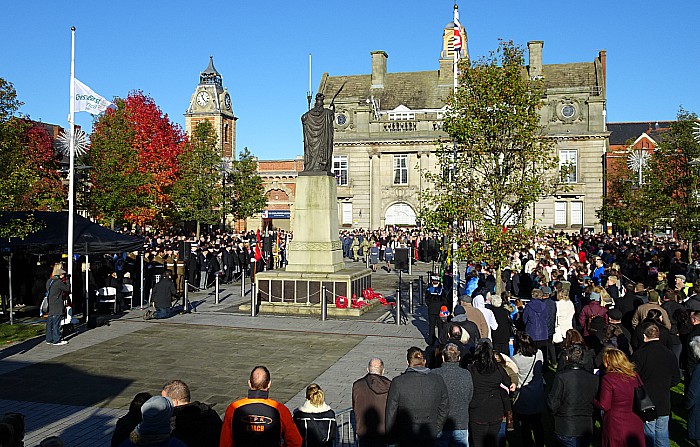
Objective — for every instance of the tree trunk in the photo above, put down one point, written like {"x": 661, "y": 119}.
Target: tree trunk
{"x": 690, "y": 251}
{"x": 198, "y": 229}
{"x": 111, "y": 224}
{"x": 499, "y": 282}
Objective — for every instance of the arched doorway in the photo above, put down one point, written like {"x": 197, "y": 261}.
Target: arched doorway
{"x": 400, "y": 214}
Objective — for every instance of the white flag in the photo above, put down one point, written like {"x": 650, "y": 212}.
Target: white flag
{"x": 88, "y": 101}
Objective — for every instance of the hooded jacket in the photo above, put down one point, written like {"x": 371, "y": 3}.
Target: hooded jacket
{"x": 369, "y": 403}
{"x": 535, "y": 319}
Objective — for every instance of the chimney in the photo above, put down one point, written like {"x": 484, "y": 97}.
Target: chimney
{"x": 603, "y": 56}
{"x": 534, "y": 48}
{"x": 378, "y": 68}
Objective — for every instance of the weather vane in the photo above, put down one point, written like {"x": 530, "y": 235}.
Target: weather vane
{"x": 80, "y": 143}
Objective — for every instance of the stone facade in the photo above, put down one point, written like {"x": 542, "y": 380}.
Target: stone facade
{"x": 387, "y": 125}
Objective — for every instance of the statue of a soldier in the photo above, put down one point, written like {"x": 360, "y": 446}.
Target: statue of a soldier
{"x": 318, "y": 137}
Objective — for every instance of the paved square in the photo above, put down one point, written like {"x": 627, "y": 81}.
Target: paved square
{"x": 214, "y": 361}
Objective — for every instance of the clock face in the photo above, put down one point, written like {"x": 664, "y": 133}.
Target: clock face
{"x": 202, "y": 98}
{"x": 568, "y": 111}
{"x": 227, "y": 101}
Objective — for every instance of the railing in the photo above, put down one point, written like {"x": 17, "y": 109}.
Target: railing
{"x": 346, "y": 428}
{"x": 400, "y": 126}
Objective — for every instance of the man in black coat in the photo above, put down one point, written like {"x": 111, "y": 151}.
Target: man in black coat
{"x": 658, "y": 369}
{"x": 417, "y": 404}
{"x": 162, "y": 294}
{"x": 571, "y": 400}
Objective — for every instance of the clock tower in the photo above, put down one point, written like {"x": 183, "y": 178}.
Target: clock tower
{"x": 212, "y": 102}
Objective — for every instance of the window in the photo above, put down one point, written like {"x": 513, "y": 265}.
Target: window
{"x": 568, "y": 166}
{"x": 398, "y": 116}
{"x": 559, "y": 213}
{"x": 400, "y": 214}
{"x": 340, "y": 169}
{"x": 576, "y": 213}
{"x": 347, "y": 213}
{"x": 401, "y": 169}
{"x": 226, "y": 133}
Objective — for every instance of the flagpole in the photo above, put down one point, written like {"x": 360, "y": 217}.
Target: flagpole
{"x": 455, "y": 247}
{"x": 71, "y": 156}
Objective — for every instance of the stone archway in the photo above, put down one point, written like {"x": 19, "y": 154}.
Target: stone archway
{"x": 400, "y": 213}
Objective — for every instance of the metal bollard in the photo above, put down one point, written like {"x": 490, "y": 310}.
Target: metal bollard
{"x": 410, "y": 297}
{"x": 253, "y": 300}
{"x": 420, "y": 290}
{"x": 242, "y": 282}
{"x": 324, "y": 304}
{"x": 410, "y": 260}
{"x": 216, "y": 289}
{"x": 184, "y": 296}
{"x": 398, "y": 307}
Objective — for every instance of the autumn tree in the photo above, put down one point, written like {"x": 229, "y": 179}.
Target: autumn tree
{"x": 29, "y": 178}
{"x": 244, "y": 189}
{"x": 134, "y": 153}
{"x": 672, "y": 180}
{"x": 502, "y": 162}
{"x": 197, "y": 194}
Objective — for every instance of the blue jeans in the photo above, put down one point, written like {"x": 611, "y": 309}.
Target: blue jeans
{"x": 448, "y": 438}
{"x": 656, "y": 432}
{"x": 574, "y": 441}
{"x": 53, "y": 328}
{"x": 164, "y": 312}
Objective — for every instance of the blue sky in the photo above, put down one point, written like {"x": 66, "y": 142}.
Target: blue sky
{"x": 261, "y": 48}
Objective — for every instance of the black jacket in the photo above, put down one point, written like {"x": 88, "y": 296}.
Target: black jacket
{"x": 658, "y": 369}
{"x": 162, "y": 292}
{"x": 316, "y": 425}
{"x": 197, "y": 425}
{"x": 55, "y": 287}
{"x": 416, "y": 408}
{"x": 571, "y": 401}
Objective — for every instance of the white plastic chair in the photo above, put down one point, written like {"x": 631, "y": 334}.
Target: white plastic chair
{"x": 128, "y": 291}
{"x": 107, "y": 295}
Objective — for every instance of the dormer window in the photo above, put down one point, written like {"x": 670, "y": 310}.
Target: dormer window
{"x": 401, "y": 113}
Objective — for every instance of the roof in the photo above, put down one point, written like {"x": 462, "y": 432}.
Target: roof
{"x": 210, "y": 68}
{"x": 421, "y": 89}
{"x": 621, "y": 133}
{"x": 415, "y": 90}
{"x": 578, "y": 74}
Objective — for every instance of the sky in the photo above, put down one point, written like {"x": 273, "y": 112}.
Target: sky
{"x": 261, "y": 49}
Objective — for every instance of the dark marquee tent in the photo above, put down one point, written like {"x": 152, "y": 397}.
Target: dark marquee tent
{"x": 88, "y": 237}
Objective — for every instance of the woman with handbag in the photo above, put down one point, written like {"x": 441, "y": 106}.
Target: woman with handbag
{"x": 529, "y": 398}
{"x": 621, "y": 425}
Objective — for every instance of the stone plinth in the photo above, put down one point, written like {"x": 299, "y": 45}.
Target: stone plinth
{"x": 279, "y": 286}
{"x": 316, "y": 246}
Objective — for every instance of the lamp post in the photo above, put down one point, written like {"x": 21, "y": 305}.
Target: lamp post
{"x": 224, "y": 170}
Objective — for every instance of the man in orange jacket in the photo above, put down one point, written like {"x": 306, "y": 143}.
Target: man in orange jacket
{"x": 258, "y": 421}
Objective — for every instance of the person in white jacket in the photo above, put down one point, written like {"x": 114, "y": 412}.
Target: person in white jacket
{"x": 565, "y": 316}
{"x": 480, "y": 304}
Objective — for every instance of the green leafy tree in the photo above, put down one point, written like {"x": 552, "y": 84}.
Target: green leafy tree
{"x": 29, "y": 178}
{"x": 134, "y": 153}
{"x": 672, "y": 180}
{"x": 197, "y": 193}
{"x": 502, "y": 162}
{"x": 244, "y": 189}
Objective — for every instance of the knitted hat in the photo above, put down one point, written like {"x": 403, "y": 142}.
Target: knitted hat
{"x": 444, "y": 313}
{"x": 595, "y": 296}
{"x": 615, "y": 314}
{"x": 459, "y": 310}
{"x": 156, "y": 413}
{"x": 546, "y": 290}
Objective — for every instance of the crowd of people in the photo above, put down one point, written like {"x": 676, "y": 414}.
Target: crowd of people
{"x": 602, "y": 317}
